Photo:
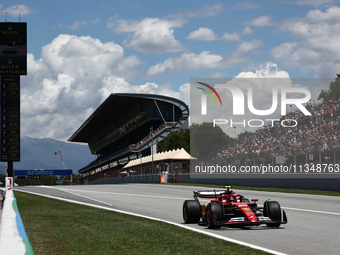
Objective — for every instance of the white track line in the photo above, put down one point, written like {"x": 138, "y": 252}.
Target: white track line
{"x": 162, "y": 197}
{"x": 86, "y": 197}
{"x": 68, "y": 191}
{"x": 313, "y": 211}
{"x": 169, "y": 222}
{"x": 124, "y": 194}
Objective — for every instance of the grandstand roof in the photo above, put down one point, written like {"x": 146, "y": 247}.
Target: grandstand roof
{"x": 179, "y": 154}
{"x": 109, "y": 110}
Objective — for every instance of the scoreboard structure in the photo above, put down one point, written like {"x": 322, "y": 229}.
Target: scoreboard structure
{"x": 10, "y": 118}
{"x": 13, "y": 63}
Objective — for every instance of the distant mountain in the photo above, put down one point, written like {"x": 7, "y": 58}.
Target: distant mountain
{"x": 39, "y": 153}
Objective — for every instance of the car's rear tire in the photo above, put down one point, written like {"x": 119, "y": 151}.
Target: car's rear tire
{"x": 214, "y": 214}
{"x": 191, "y": 211}
{"x": 273, "y": 210}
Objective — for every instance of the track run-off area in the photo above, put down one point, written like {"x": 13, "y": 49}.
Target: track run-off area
{"x": 313, "y": 221}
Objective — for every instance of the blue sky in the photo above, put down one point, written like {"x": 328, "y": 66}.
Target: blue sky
{"x": 81, "y": 51}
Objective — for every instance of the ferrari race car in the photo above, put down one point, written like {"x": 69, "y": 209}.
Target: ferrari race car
{"x": 230, "y": 209}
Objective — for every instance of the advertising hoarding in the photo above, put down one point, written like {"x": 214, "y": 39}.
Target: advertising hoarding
{"x": 13, "y": 48}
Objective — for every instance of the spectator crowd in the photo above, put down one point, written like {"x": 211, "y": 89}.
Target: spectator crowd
{"x": 318, "y": 132}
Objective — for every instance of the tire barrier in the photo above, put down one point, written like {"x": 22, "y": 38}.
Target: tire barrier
{"x": 13, "y": 237}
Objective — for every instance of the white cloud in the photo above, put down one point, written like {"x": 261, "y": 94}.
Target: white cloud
{"x": 64, "y": 86}
{"x": 269, "y": 70}
{"x": 151, "y": 35}
{"x": 243, "y": 5}
{"x": 206, "y": 60}
{"x": 331, "y": 15}
{"x": 206, "y": 34}
{"x": 75, "y": 24}
{"x": 317, "y": 44}
{"x": 231, "y": 37}
{"x": 262, "y": 81}
{"x": 119, "y": 85}
{"x": 204, "y": 11}
{"x": 316, "y": 3}
{"x": 261, "y": 21}
{"x": 247, "y": 31}
{"x": 185, "y": 93}
{"x": 203, "y": 34}
{"x": 187, "y": 61}
{"x": 245, "y": 47}
{"x": 15, "y": 10}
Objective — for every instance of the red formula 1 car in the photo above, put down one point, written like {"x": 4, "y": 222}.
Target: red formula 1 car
{"x": 230, "y": 209}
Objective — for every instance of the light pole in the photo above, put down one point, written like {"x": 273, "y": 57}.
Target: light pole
{"x": 140, "y": 164}
{"x": 235, "y": 134}
{"x": 151, "y": 132}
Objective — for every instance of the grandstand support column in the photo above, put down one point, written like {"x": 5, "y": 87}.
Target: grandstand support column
{"x": 159, "y": 111}
{"x": 319, "y": 157}
{"x": 140, "y": 164}
{"x": 172, "y": 165}
{"x": 151, "y": 132}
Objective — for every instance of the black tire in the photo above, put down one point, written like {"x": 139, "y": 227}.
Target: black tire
{"x": 214, "y": 214}
{"x": 273, "y": 210}
{"x": 191, "y": 211}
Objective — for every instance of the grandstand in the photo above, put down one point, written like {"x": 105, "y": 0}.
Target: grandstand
{"x": 125, "y": 127}
{"x": 316, "y": 140}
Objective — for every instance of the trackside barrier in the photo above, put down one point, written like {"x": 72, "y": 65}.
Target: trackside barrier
{"x": 2, "y": 198}
{"x": 13, "y": 237}
{"x": 163, "y": 178}
{"x": 330, "y": 183}
{"x": 152, "y": 178}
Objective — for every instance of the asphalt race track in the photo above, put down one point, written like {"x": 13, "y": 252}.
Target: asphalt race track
{"x": 313, "y": 221}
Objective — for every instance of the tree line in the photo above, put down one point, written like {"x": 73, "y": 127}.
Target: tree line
{"x": 198, "y": 140}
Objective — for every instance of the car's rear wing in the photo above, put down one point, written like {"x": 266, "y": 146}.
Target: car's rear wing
{"x": 209, "y": 193}
{"x": 213, "y": 193}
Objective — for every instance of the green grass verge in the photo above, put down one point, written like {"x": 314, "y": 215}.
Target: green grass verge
{"x": 269, "y": 189}
{"x": 57, "y": 227}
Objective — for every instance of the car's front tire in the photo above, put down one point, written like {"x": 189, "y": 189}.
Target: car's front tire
{"x": 273, "y": 210}
{"x": 214, "y": 214}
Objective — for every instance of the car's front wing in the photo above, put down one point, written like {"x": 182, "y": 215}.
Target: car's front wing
{"x": 246, "y": 222}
